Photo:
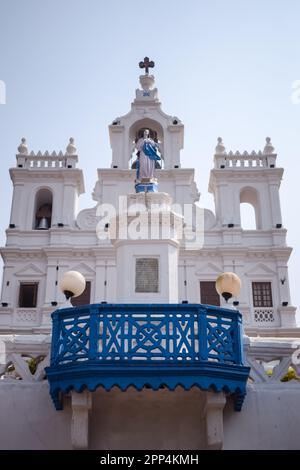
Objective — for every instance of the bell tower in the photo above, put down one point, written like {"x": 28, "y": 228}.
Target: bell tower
{"x": 46, "y": 189}
{"x": 259, "y": 255}
{"x": 251, "y": 178}
{"x": 146, "y": 113}
{"x": 165, "y": 130}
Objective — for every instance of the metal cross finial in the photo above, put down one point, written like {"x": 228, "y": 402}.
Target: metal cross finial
{"x": 145, "y": 64}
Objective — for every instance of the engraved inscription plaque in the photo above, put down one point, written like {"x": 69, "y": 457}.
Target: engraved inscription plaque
{"x": 146, "y": 275}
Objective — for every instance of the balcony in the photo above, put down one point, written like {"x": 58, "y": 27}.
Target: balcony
{"x": 150, "y": 346}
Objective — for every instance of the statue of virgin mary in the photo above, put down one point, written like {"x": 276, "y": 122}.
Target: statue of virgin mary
{"x": 147, "y": 156}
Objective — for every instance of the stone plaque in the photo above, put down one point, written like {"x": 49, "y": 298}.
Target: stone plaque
{"x": 146, "y": 275}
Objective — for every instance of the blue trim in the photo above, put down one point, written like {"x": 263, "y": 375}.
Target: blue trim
{"x": 146, "y": 188}
{"x": 136, "y": 345}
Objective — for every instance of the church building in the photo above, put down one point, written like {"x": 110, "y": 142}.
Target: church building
{"x": 148, "y": 353}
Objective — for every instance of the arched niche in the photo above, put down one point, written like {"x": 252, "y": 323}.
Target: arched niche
{"x": 136, "y": 131}
{"x": 43, "y": 209}
{"x": 251, "y": 212}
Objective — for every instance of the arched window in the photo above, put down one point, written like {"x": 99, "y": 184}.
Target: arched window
{"x": 250, "y": 209}
{"x": 43, "y": 210}
{"x": 248, "y": 221}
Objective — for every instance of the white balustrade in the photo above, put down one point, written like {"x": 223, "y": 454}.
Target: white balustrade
{"x": 245, "y": 160}
{"x": 46, "y": 160}
{"x": 237, "y": 160}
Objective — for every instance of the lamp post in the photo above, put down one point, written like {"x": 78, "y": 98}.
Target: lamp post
{"x": 228, "y": 285}
{"x": 72, "y": 284}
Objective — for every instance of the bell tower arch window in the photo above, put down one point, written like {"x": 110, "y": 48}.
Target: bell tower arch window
{"x": 43, "y": 209}
{"x": 250, "y": 209}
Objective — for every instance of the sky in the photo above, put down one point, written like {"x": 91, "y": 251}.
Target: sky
{"x": 225, "y": 68}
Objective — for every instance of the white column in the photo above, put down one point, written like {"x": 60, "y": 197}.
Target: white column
{"x": 51, "y": 277}
{"x": 173, "y": 145}
{"x": 7, "y": 277}
{"x": 213, "y": 411}
{"x": 81, "y": 404}
{"x": 227, "y": 209}
{"x": 118, "y": 145}
{"x": 16, "y": 214}
{"x": 275, "y": 204}
{"x": 182, "y": 288}
{"x": 192, "y": 283}
{"x": 69, "y": 204}
{"x": 283, "y": 282}
{"x": 100, "y": 280}
{"x": 111, "y": 281}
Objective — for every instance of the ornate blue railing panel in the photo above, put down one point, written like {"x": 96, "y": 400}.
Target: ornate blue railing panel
{"x": 144, "y": 336}
{"x": 186, "y": 344}
{"x": 73, "y": 343}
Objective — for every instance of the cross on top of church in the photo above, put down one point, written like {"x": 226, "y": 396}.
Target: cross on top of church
{"x": 146, "y": 64}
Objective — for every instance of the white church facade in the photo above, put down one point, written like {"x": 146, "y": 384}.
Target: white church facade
{"x": 48, "y": 236}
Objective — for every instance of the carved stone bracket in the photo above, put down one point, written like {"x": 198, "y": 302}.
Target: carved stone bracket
{"x": 213, "y": 411}
{"x": 81, "y": 404}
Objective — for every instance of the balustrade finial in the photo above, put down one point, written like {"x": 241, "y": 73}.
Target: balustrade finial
{"x": 220, "y": 148}
{"x": 71, "y": 149}
{"x": 269, "y": 149}
{"x": 23, "y": 149}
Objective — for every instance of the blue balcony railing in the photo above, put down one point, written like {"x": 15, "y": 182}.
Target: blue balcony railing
{"x": 147, "y": 345}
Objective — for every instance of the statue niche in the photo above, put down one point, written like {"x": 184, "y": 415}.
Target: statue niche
{"x": 136, "y": 153}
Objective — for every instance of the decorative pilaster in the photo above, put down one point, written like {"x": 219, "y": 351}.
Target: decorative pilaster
{"x": 17, "y": 207}
{"x": 275, "y": 203}
{"x": 51, "y": 278}
{"x": 70, "y": 196}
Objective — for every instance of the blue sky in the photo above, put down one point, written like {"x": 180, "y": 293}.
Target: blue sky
{"x": 224, "y": 67}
